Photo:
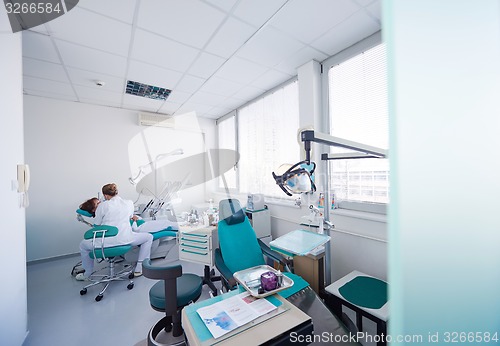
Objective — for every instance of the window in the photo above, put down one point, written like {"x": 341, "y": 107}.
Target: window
{"x": 226, "y": 127}
{"x": 267, "y": 138}
{"x": 357, "y": 92}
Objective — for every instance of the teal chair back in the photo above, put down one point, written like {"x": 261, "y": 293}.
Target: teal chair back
{"x": 237, "y": 240}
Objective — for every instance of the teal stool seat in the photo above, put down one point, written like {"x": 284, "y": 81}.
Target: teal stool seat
{"x": 113, "y": 251}
{"x": 188, "y": 289}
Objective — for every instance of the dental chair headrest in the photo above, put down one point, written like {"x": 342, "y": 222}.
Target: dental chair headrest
{"x": 230, "y": 211}
{"x": 84, "y": 213}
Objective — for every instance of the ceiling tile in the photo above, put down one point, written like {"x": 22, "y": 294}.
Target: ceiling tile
{"x": 217, "y": 112}
{"x": 120, "y": 9}
{"x": 206, "y": 65}
{"x": 375, "y": 9}
{"x": 179, "y": 97}
{"x": 365, "y": 3}
{"x": 91, "y": 60}
{"x": 270, "y": 79}
{"x": 225, "y": 5}
{"x": 233, "y": 103}
{"x": 152, "y": 75}
{"x": 142, "y": 102}
{"x": 92, "y": 30}
{"x": 38, "y": 46}
{"x": 89, "y": 79}
{"x": 269, "y": 47}
{"x": 94, "y": 94}
{"x": 307, "y": 23}
{"x": 191, "y": 22}
{"x": 158, "y": 50}
{"x": 50, "y": 95}
{"x": 188, "y": 107}
{"x": 350, "y": 31}
{"x": 298, "y": 59}
{"x": 221, "y": 86}
{"x": 47, "y": 86}
{"x": 45, "y": 70}
{"x": 205, "y": 98}
{"x": 230, "y": 37}
{"x": 257, "y": 12}
{"x": 248, "y": 93}
{"x": 169, "y": 107}
{"x": 190, "y": 83}
{"x": 240, "y": 71}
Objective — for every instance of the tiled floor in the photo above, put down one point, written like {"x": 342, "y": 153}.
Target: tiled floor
{"x": 59, "y": 315}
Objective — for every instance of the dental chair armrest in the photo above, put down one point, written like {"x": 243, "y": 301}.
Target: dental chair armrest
{"x": 223, "y": 269}
{"x": 276, "y": 256}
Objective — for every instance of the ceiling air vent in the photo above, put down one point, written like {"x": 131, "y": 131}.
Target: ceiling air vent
{"x": 154, "y": 119}
{"x": 145, "y": 90}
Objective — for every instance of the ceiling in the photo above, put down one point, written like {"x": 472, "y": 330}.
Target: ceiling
{"x": 215, "y": 55}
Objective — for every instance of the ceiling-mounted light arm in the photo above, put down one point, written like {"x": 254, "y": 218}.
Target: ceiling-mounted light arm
{"x": 364, "y": 151}
{"x": 361, "y": 151}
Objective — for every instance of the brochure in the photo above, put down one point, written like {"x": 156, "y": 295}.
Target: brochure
{"x": 229, "y": 314}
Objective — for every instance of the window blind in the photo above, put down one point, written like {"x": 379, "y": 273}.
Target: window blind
{"x": 358, "y": 111}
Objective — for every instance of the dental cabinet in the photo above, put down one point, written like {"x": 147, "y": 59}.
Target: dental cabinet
{"x": 197, "y": 244}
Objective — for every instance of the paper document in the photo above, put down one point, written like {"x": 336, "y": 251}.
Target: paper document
{"x": 229, "y": 314}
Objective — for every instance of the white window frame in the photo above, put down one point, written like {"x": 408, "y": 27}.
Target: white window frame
{"x": 352, "y": 51}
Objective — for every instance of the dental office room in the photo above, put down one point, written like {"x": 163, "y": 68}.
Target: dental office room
{"x": 301, "y": 172}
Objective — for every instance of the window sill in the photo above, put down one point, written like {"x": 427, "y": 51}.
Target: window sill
{"x": 360, "y": 215}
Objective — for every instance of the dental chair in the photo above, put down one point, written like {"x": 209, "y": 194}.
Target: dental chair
{"x": 111, "y": 255}
{"x": 239, "y": 247}
{"x": 170, "y": 295}
{"x": 161, "y": 247}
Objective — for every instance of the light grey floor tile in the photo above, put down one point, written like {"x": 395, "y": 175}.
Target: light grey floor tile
{"x": 59, "y": 315}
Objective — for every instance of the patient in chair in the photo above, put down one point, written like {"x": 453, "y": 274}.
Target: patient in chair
{"x": 115, "y": 211}
{"x": 138, "y": 224}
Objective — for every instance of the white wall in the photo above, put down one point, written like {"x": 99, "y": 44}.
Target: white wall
{"x": 73, "y": 149}
{"x": 444, "y": 63}
{"x": 13, "y": 301}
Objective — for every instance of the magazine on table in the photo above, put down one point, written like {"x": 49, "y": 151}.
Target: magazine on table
{"x": 229, "y": 314}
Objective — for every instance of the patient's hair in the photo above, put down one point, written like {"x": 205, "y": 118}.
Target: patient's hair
{"x": 110, "y": 189}
{"x": 90, "y": 205}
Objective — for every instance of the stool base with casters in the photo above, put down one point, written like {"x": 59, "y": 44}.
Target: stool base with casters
{"x": 170, "y": 295}
{"x": 112, "y": 255}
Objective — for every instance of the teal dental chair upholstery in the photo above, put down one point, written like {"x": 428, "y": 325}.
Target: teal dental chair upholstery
{"x": 167, "y": 232}
{"x": 109, "y": 254}
{"x": 239, "y": 247}
{"x": 170, "y": 295}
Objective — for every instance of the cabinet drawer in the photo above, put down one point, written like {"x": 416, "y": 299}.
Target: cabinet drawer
{"x": 195, "y": 255}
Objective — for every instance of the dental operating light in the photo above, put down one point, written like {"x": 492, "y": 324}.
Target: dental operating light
{"x": 297, "y": 178}
{"x": 293, "y": 180}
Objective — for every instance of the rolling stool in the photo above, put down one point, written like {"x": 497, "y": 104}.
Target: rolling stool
{"x": 112, "y": 255}
{"x": 170, "y": 295}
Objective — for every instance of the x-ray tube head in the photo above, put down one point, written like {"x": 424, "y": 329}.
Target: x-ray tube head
{"x": 297, "y": 178}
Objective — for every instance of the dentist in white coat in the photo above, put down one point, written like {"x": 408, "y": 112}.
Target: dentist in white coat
{"x": 115, "y": 211}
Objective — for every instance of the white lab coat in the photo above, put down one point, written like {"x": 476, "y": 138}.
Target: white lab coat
{"x": 116, "y": 212}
